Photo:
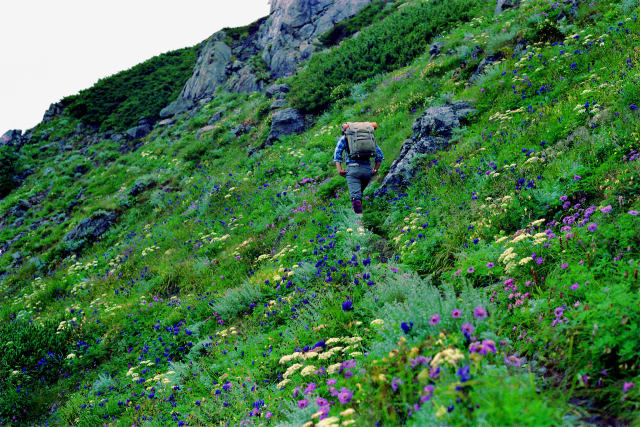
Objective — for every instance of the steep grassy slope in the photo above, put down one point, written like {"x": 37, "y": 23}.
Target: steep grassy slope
{"x": 501, "y": 287}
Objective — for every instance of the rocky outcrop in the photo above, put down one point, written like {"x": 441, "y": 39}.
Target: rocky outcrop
{"x": 90, "y": 229}
{"x": 144, "y": 127}
{"x": 486, "y": 62}
{"x": 54, "y": 111}
{"x": 12, "y": 137}
{"x": 272, "y": 48}
{"x": 286, "y": 122}
{"x": 502, "y": 5}
{"x": 293, "y": 25}
{"x": 432, "y": 132}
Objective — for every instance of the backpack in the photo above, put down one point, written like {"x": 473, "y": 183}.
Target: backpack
{"x": 361, "y": 142}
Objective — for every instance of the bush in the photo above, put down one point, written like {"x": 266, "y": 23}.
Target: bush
{"x": 118, "y": 101}
{"x": 382, "y": 47}
{"x": 8, "y": 169}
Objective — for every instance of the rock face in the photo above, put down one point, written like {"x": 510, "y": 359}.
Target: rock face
{"x": 432, "y": 132}
{"x": 294, "y": 24}
{"x": 486, "y": 62}
{"x": 282, "y": 40}
{"x": 12, "y": 137}
{"x": 89, "y": 229}
{"x": 286, "y": 122}
{"x": 502, "y": 5}
{"x": 54, "y": 111}
{"x": 141, "y": 130}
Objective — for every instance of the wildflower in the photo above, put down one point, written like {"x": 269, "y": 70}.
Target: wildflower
{"x": 489, "y": 265}
{"x": 479, "y": 312}
{"x": 467, "y": 330}
{"x": 345, "y": 395}
{"x": 396, "y": 383}
{"x": 303, "y": 403}
{"x": 634, "y": 213}
{"x": 308, "y": 370}
{"x": 406, "y": 327}
{"x": 463, "y": 373}
{"x": 321, "y": 401}
{"x": 513, "y": 361}
{"x": 449, "y": 355}
{"x": 605, "y": 210}
{"x": 332, "y": 381}
{"x": 633, "y": 107}
{"x": 435, "y": 319}
{"x": 574, "y": 286}
{"x": 377, "y": 322}
{"x": 627, "y": 386}
{"x": 456, "y": 313}
{"x": 577, "y": 177}
{"x": 564, "y": 265}
{"x": 470, "y": 270}
{"x": 484, "y": 347}
{"x": 347, "y": 305}
{"x": 592, "y": 226}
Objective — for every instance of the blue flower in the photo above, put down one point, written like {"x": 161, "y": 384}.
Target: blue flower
{"x": 347, "y": 305}
{"x": 406, "y": 327}
{"x": 463, "y": 373}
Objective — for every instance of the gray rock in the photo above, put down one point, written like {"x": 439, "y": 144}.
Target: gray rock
{"x": 166, "y": 122}
{"x": 204, "y": 130}
{"x": 90, "y": 229}
{"x": 139, "y": 131}
{"x": 294, "y": 24}
{"x": 286, "y": 122}
{"x": 12, "y": 137}
{"x": 19, "y": 209}
{"x": 432, "y": 132}
{"x": 486, "y": 62}
{"x": 238, "y": 130}
{"x": 54, "y": 111}
{"x": 434, "y": 50}
{"x": 502, "y": 5}
{"x": 278, "y": 103}
{"x": 476, "y": 51}
{"x": 244, "y": 81}
{"x": 178, "y": 106}
{"x": 277, "y": 90}
{"x": 215, "y": 118}
{"x": 139, "y": 186}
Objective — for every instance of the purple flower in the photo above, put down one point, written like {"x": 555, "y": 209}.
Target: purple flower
{"x": 606, "y": 209}
{"x": 563, "y": 198}
{"x": 489, "y": 265}
{"x": 479, "y": 312}
{"x": 456, "y": 313}
{"x": 420, "y": 360}
{"x": 564, "y": 265}
{"x": 321, "y": 401}
{"x": 310, "y": 388}
{"x": 633, "y": 107}
{"x": 463, "y": 373}
{"x": 513, "y": 361}
{"x": 592, "y": 226}
{"x": 634, "y": 213}
{"x": 484, "y": 347}
{"x": 332, "y": 381}
{"x": 627, "y": 386}
{"x": 577, "y": 177}
{"x": 345, "y": 395}
{"x": 406, "y": 327}
{"x": 303, "y": 403}
{"x": 467, "y": 330}
{"x": 396, "y": 383}
{"x": 435, "y": 319}
{"x": 470, "y": 270}
{"x": 574, "y": 286}
{"x": 347, "y": 305}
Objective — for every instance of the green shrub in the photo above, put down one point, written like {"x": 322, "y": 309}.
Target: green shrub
{"x": 382, "y": 47}
{"x": 8, "y": 169}
{"x": 118, "y": 101}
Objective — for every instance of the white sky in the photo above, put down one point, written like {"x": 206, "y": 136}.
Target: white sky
{"x": 53, "y": 48}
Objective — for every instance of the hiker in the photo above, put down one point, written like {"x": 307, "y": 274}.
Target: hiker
{"x": 360, "y": 144}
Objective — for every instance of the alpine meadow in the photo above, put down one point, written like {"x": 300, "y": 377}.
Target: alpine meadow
{"x": 176, "y": 247}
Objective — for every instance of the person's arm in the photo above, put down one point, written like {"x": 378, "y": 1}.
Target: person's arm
{"x": 378, "y": 160}
{"x": 337, "y": 156}
{"x": 376, "y": 167}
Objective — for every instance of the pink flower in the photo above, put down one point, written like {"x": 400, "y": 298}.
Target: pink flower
{"x": 574, "y": 286}
{"x": 470, "y": 270}
{"x": 303, "y": 403}
{"x": 489, "y": 265}
{"x": 592, "y": 226}
{"x": 435, "y": 319}
{"x": 479, "y": 312}
{"x": 564, "y": 265}
{"x": 627, "y": 386}
{"x": 634, "y": 213}
{"x": 456, "y": 313}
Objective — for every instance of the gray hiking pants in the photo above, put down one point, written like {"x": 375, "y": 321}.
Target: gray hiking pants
{"x": 358, "y": 177}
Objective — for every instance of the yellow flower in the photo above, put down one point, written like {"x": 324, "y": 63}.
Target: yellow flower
{"x": 308, "y": 370}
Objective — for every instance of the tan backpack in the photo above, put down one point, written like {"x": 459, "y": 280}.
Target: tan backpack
{"x": 361, "y": 141}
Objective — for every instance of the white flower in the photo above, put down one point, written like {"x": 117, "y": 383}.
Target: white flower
{"x": 308, "y": 370}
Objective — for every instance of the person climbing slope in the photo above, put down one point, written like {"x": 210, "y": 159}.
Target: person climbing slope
{"x": 359, "y": 142}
